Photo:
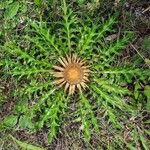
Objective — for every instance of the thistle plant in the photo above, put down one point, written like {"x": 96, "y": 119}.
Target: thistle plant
{"x": 75, "y": 57}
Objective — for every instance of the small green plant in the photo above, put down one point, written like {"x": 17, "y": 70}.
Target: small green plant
{"x": 25, "y": 145}
{"x": 146, "y": 45}
{"x": 41, "y": 103}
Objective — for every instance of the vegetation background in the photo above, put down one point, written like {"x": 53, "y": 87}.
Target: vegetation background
{"x": 133, "y": 15}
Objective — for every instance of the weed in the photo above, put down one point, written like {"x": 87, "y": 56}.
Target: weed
{"x": 40, "y": 103}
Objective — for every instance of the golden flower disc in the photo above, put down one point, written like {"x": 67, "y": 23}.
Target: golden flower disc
{"x": 72, "y": 72}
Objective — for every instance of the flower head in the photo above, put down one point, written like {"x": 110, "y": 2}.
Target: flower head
{"x": 72, "y": 72}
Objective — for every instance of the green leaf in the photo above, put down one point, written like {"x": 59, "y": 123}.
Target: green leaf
{"x": 25, "y": 145}
{"x": 53, "y": 114}
{"x": 4, "y": 4}
{"x": 144, "y": 142}
{"x": 89, "y": 122}
{"x": 26, "y": 122}
{"x": 38, "y": 2}
{"x": 147, "y": 121}
{"x": 148, "y": 105}
{"x": 146, "y": 43}
{"x": 11, "y": 10}
{"x": 87, "y": 131}
{"x": 80, "y": 1}
{"x": 147, "y": 91}
{"x": 136, "y": 90}
{"x": 147, "y": 61}
{"x": 10, "y": 121}
{"x": 147, "y": 94}
{"x": 2, "y": 97}
{"x": 131, "y": 147}
{"x": 21, "y": 106}
{"x": 147, "y": 132}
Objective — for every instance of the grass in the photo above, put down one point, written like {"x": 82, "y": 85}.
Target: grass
{"x": 113, "y": 113}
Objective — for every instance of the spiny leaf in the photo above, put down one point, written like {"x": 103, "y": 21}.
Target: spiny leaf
{"x": 108, "y": 98}
{"x": 106, "y": 26}
{"x": 87, "y": 114}
{"x": 112, "y": 87}
{"x": 87, "y": 38}
{"x": 55, "y": 116}
{"x": 43, "y": 31}
{"x": 68, "y": 20}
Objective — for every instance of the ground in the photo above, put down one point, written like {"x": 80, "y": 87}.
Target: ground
{"x": 134, "y": 15}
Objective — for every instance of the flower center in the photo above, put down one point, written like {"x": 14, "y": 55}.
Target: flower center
{"x": 73, "y": 74}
